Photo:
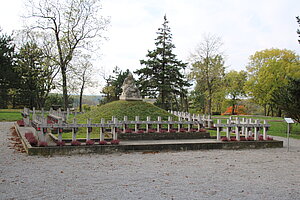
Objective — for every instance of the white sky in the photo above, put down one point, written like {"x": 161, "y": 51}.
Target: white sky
{"x": 245, "y": 26}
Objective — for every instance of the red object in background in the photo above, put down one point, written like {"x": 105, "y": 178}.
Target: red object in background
{"x": 238, "y": 110}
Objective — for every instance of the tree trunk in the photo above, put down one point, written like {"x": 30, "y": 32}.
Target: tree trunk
{"x": 80, "y": 96}
{"x": 233, "y": 109}
{"x": 65, "y": 90}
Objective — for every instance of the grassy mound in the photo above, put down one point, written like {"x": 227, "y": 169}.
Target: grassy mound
{"x": 119, "y": 109}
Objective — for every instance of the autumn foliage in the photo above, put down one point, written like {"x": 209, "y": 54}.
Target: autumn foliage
{"x": 238, "y": 110}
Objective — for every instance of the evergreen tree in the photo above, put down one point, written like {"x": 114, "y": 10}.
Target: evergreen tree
{"x": 161, "y": 78}
{"x": 8, "y": 76}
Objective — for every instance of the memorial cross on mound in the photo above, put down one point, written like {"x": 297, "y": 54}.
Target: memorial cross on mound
{"x": 130, "y": 91}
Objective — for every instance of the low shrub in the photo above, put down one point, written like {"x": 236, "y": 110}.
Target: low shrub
{"x": 269, "y": 138}
{"x": 75, "y": 143}
{"x": 202, "y": 130}
{"x": 193, "y": 130}
{"x": 62, "y": 143}
{"x": 90, "y": 142}
{"x": 250, "y": 138}
{"x": 233, "y": 139}
{"x": 173, "y": 131}
{"x": 224, "y": 139}
{"x": 163, "y": 131}
{"x": 128, "y": 130}
{"x": 21, "y": 122}
{"x": 29, "y": 135}
{"x": 115, "y": 142}
{"x": 103, "y": 142}
{"x": 261, "y": 138}
{"x": 151, "y": 131}
{"x": 33, "y": 141}
{"x": 140, "y": 131}
{"x": 243, "y": 139}
{"x": 43, "y": 144}
{"x": 182, "y": 130}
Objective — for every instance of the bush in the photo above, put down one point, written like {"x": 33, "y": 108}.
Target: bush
{"x": 90, "y": 142}
{"x": 20, "y": 122}
{"x": 233, "y": 139}
{"x": 243, "y": 139}
{"x": 261, "y": 138}
{"x": 128, "y": 130}
{"x": 173, "y": 131}
{"x": 182, "y": 130}
{"x": 151, "y": 131}
{"x": 29, "y": 135}
{"x": 223, "y": 139}
{"x": 202, "y": 130}
{"x": 75, "y": 143}
{"x": 269, "y": 138}
{"x": 103, "y": 142}
{"x": 43, "y": 144}
{"x": 140, "y": 131}
{"x": 250, "y": 138}
{"x": 62, "y": 143}
{"x": 33, "y": 141}
{"x": 115, "y": 142}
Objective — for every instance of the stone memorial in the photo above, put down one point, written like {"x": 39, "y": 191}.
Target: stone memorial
{"x": 130, "y": 91}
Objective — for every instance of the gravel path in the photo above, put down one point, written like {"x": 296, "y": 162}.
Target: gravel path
{"x": 213, "y": 174}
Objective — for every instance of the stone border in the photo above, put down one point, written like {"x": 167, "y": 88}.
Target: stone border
{"x": 164, "y": 136}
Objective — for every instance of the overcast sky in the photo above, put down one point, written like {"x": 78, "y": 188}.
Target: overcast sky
{"x": 245, "y": 26}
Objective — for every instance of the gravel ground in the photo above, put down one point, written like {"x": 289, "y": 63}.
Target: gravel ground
{"x": 213, "y": 174}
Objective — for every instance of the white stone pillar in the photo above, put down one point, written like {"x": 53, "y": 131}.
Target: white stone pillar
{"x": 237, "y": 132}
{"x": 88, "y": 130}
{"x": 218, "y": 130}
{"x": 74, "y": 130}
{"x": 114, "y": 132}
{"x": 147, "y": 124}
{"x": 265, "y": 130}
{"x": 136, "y": 125}
{"x": 125, "y": 124}
{"x": 158, "y": 124}
{"x": 169, "y": 125}
{"x": 228, "y": 129}
{"x": 102, "y": 129}
{"x": 255, "y": 131}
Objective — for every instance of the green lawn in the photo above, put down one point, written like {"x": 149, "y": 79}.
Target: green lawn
{"x": 278, "y": 128}
{"x": 10, "y": 114}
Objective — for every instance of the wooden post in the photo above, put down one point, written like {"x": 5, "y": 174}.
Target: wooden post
{"x": 218, "y": 130}
{"x": 102, "y": 129}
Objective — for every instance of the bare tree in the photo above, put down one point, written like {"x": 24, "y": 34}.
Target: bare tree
{"x": 80, "y": 75}
{"x": 73, "y": 24}
{"x": 208, "y": 68}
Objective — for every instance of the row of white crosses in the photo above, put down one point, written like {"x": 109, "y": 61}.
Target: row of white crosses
{"x": 244, "y": 127}
{"x": 204, "y": 119}
{"x": 114, "y": 124}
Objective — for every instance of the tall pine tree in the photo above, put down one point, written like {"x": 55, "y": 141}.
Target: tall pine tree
{"x": 161, "y": 78}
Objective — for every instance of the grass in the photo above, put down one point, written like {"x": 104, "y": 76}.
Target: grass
{"x": 10, "y": 115}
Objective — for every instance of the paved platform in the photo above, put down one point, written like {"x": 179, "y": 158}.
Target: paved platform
{"x": 142, "y": 145}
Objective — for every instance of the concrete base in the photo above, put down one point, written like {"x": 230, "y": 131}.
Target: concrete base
{"x": 146, "y": 145}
